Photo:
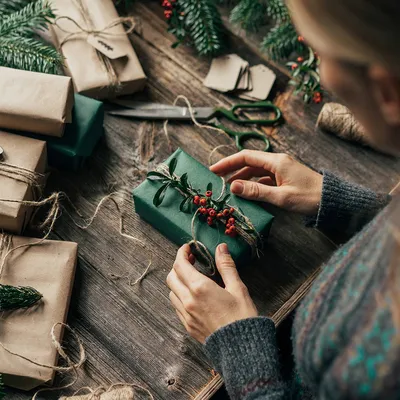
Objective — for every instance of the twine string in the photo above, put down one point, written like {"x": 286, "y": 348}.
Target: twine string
{"x": 194, "y": 120}
{"x": 338, "y": 119}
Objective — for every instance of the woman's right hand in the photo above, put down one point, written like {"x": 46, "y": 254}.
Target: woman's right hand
{"x": 282, "y": 181}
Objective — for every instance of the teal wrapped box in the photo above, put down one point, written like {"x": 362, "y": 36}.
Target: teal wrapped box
{"x": 80, "y": 137}
{"x": 176, "y": 224}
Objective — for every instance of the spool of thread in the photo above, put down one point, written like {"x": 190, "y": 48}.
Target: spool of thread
{"x": 338, "y": 119}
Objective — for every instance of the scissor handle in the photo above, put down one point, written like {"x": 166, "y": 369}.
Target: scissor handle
{"x": 264, "y": 105}
{"x": 242, "y": 137}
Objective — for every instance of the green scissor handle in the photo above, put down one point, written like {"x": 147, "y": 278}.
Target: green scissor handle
{"x": 264, "y": 105}
{"x": 241, "y": 137}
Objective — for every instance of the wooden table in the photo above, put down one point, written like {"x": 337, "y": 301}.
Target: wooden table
{"x": 131, "y": 333}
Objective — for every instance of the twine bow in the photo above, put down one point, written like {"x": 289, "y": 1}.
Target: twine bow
{"x": 90, "y": 29}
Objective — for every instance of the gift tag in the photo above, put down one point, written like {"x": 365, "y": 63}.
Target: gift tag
{"x": 225, "y": 72}
{"x": 1, "y": 154}
{"x": 262, "y": 79}
{"x": 106, "y": 47}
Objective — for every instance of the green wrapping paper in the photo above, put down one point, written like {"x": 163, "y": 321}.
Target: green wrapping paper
{"x": 80, "y": 137}
{"x": 176, "y": 225}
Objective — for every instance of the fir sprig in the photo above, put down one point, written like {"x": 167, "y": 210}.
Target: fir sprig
{"x": 249, "y": 14}
{"x": 16, "y": 297}
{"x": 19, "y": 46}
{"x": 29, "y": 54}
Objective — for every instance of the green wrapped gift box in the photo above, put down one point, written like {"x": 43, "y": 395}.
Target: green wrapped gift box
{"x": 176, "y": 224}
{"x": 80, "y": 137}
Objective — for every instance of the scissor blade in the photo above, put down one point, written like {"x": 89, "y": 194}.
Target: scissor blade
{"x": 142, "y": 105}
{"x": 173, "y": 113}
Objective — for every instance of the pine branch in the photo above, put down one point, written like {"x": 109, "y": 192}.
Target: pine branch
{"x": 16, "y": 297}
{"x": 9, "y": 7}
{"x": 203, "y": 22}
{"x": 33, "y": 16}
{"x": 282, "y": 41}
{"x": 250, "y": 14}
{"x": 29, "y": 54}
{"x": 278, "y": 11}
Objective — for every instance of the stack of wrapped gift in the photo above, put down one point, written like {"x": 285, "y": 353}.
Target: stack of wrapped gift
{"x": 44, "y": 107}
{"x": 50, "y": 269}
{"x": 173, "y": 217}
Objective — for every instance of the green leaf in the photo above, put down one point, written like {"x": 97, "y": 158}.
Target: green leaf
{"x": 155, "y": 176}
{"x": 184, "y": 204}
{"x": 160, "y": 194}
{"x": 209, "y": 187}
{"x": 172, "y": 166}
{"x": 16, "y": 297}
{"x": 184, "y": 180}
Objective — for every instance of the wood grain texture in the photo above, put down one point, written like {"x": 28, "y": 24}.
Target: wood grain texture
{"x": 131, "y": 333}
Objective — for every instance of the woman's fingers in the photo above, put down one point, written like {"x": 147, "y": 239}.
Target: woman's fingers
{"x": 248, "y": 173}
{"x": 256, "y": 191}
{"x": 178, "y": 305}
{"x": 247, "y": 158}
{"x": 176, "y": 285}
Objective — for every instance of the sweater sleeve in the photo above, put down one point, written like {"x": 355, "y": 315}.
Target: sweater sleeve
{"x": 346, "y": 207}
{"x": 245, "y": 353}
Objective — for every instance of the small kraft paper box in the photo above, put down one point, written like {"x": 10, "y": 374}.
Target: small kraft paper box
{"x": 50, "y": 269}
{"x": 35, "y": 102}
{"x": 104, "y": 64}
{"x": 176, "y": 224}
{"x": 25, "y": 153}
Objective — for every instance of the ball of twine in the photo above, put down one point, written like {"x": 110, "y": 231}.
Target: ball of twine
{"x": 338, "y": 119}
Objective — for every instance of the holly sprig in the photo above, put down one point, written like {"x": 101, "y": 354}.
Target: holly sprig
{"x": 213, "y": 211}
{"x": 306, "y": 77}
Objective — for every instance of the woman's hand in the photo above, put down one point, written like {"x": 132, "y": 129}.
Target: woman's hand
{"x": 203, "y": 306}
{"x": 282, "y": 181}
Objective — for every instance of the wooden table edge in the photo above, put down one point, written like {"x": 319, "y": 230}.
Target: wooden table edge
{"x": 216, "y": 382}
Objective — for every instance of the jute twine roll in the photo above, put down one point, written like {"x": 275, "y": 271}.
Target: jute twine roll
{"x": 338, "y": 119}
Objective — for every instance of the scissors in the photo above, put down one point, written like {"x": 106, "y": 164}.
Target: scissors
{"x": 156, "y": 111}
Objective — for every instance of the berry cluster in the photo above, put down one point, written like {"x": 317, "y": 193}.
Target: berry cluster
{"x": 168, "y": 6}
{"x": 212, "y": 214}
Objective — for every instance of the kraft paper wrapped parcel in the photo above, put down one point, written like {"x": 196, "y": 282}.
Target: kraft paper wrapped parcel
{"x": 26, "y": 153}
{"x": 50, "y": 269}
{"x": 35, "y": 102}
{"x": 104, "y": 64}
{"x": 176, "y": 224}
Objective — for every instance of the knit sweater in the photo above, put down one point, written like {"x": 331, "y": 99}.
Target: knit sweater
{"x": 343, "y": 336}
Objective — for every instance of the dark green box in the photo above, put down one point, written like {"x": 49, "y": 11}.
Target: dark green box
{"x": 176, "y": 225}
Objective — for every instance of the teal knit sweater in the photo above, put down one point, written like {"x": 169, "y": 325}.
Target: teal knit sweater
{"x": 344, "y": 340}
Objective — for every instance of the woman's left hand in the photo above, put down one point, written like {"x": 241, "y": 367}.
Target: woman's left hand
{"x": 202, "y": 305}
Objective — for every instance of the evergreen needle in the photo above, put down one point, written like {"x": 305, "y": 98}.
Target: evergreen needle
{"x": 15, "y": 297}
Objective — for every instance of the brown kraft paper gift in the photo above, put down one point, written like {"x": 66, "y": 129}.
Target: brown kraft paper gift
{"x": 35, "y": 102}
{"x": 22, "y": 152}
{"x": 93, "y": 66}
{"x": 50, "y": 269}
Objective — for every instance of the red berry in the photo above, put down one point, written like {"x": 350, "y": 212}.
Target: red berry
{"x": 210, "y": 221}
{"x": 300, "y": 39}
{"x": 300, "y": 59}
{"x": 203, "y": 201}
{"x": 294, "y": 66}
{"x": 196, "y": 200}
{"x": 232, "y": 231}
{"x": 209, "y": 193}
{"x": 167, "y": 14}
{"x": 166, "y": 3}
{"x": 231, "y": 221}
{"x": 203, "y": 210}
{"x": 227, "y": 232}
{"x": 226, "y": 212}
{"x": 212, "y": 212}
{"x": 231, "y": 210}
{"x": 317, "y": 98}
{"x": 220, "y": 215}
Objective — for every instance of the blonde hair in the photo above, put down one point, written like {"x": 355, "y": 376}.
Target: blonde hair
{"x": 361, "y": 31}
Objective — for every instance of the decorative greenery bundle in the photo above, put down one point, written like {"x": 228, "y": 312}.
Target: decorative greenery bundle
{"x": 16, "y": 297}
{"x": 20, "y": 46}
{"x": 199, "y": 23}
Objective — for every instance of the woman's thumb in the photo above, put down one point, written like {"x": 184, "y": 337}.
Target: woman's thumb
{"x": 226, "y": 266}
